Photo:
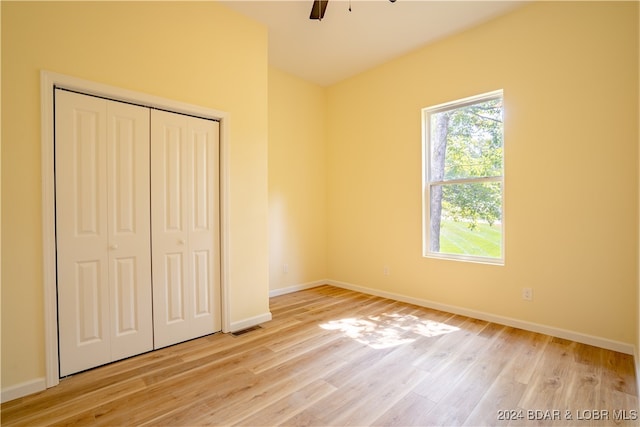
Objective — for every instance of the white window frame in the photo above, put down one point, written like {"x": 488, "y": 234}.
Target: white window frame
{"x": 427, "y": 183}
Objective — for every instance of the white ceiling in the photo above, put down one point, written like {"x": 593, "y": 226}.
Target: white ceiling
{"x": 346, "y": 43}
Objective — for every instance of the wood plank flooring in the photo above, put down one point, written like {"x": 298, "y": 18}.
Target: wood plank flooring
{"x": 333, "y": 357}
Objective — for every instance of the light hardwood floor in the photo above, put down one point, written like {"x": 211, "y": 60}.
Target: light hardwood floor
{"x": 336, "y": 357}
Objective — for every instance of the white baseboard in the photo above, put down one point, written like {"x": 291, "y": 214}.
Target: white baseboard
{"x": 507, "y": 321}
{"x": 249, "y": 322}
{"x": 296, "y": 288}
{"x": 23, "y": 389}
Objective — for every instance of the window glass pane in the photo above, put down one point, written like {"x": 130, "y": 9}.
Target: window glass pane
{"x": 466, "y": 219}
{"x": 464, "y": 179}
{"x": 466, "y": 142}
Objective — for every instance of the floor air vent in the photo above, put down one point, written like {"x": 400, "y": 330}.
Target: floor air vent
{"x": 244, "y": 331}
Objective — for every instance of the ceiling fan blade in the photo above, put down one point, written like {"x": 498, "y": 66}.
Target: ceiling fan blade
{"x": 318, "y": 9}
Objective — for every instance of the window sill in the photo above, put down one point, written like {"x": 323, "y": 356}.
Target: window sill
{"x": 465, "y": 258}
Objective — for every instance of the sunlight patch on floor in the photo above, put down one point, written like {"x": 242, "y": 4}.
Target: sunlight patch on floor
{"x": 388, "y": 329}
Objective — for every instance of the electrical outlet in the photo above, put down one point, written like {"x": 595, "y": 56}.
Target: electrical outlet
{"x": 527, "y": 294}
{"x": 285, "y": 268}
{"x": 385, "y": 270}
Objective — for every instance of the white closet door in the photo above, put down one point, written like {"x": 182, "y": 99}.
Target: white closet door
{"x": 185, "y": 227}
{"x": 129, "y": 224}
{"x": 81, "y": 230}
{"x": 102, "y": 228}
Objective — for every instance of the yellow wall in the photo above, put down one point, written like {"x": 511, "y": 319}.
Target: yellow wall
{"x": 569, "y": 71}
{"x": 200, "y": 53}
{"x": 637, "y": 344}
{"x": 297, "y": 181}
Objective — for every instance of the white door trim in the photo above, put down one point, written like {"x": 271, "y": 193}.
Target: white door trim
{"x": 49, "y": 80}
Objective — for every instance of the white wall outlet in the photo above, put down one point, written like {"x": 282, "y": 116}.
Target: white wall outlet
{"x": 385, "y": 270}
{"x": 527, "y": 294}
{"x": 285, "y": 268}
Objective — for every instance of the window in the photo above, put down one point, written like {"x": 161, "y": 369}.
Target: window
{"x": 464, "y": 179}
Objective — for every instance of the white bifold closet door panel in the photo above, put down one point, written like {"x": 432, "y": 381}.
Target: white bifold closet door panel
{"x": 102, "y": 231}
{"x": 185, "y": 227}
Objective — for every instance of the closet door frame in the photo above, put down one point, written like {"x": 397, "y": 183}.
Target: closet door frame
{"x": 48, "y": 82}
